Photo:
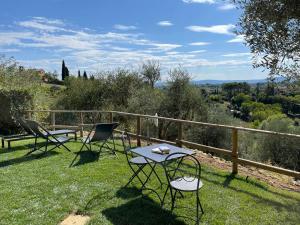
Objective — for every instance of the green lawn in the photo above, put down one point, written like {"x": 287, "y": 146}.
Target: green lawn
{"x": 43, "y": 189}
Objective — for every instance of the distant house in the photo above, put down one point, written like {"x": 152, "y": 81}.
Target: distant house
{"x": 41, "y": 73}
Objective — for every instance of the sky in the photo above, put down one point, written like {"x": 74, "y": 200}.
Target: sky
{"x": 97, "y": 35}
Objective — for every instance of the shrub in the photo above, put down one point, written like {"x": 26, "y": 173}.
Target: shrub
{"x": 279, "y": 150}
{"x": 14, "y": 103}
{"x": 260, "y": 111}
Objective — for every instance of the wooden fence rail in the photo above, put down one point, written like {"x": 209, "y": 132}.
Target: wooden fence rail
{"x": 235, "y": 159}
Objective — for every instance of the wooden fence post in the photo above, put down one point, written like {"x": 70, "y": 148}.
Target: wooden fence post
{"x": 234, "y": 154}
{"x": 81, "y": 124}
{"x": 179, "y": 135}
{"x": 53, "y": 120}
{"x": 111, "y": 118}
{"x": 138, "y": 130}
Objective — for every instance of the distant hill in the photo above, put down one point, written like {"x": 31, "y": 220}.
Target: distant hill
{"x": 219, "y": 82}
{"x": 201, "y": 82}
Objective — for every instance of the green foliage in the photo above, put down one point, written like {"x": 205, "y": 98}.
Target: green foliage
{"x": 20, "y": 89}
{"x": 234, "y": 88}
{"x": 214, "y": 136}
{"x": 85, "y": 75}
{"x": 64, "y": 71}
{"x": 109, "y": 91}
{"x": 146, "y": 100}
{"x": 182, "y": 100}
{"x": 239, "y": 99}
{"x": 271, "y": 29}
{"x": 216, "y": 98}
{"x": 15, "y": 103}
{"x": 288, "y": 103}
{"x": 82, "y": 94}
{"x": 260, "y": 111}
{"x": 280, "y": 150}
{"x": 151, "y": 72}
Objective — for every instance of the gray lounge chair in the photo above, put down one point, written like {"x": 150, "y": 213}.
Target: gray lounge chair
{"x": 51, "y": 137}
{"x": 101, "y": 132}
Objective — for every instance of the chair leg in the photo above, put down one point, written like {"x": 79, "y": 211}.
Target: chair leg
{"x": 200, "y": 205}
{"x": 161, "y": 183}
{"x": 46, "y": 147}
{"x": 34, "y": 147}
{"x": 173, "y": 198}
{"x": 114, "y": 150}
{"x": 148, "y": 176}
{"x": 135, "y": 174}
{"x": 197, "y": 209}
{"x": 163, "y": 200}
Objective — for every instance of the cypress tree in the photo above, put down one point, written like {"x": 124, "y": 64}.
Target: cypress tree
{"x": 85, "y": 75}
{"x": 63, "y": 70}
{"x": 66, "y": 72}
{"x": 79, "y": 76}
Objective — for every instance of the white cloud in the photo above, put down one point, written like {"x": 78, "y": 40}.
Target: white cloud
{"x": 237, "y": 39}
{"x": 241, "y": 54}
{"x": 227, "y": 6}
{"x": 217, "y": 29}
{"x": 199, "y": 43}
{"x": 14, "y": 38}
{"x": 8, "y": 50}
{"x": 124, "y": 27}
{"x": 41, "y": 23}
{"x": 165, "y": 23}
{"x": 172, "y": 53}
{"x": 94, "y": 51}
{"x": 197, "y": 51}
{"x": 166, "y": 47}
{"x": 199, "y": 1}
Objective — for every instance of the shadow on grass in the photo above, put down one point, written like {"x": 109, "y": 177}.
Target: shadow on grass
{"x": 84, "y": 158}
{"x": 16, "y": 148}
{"x": 27, "y": 158}
{"x": 97, "y": 200}
{"x": 140, "y": 211}
{"x": 230, "y": 177}
{"x": 257, "y": 197}
{"x": 128, "y": 192}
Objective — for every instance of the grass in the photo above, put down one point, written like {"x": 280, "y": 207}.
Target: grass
{"x": 43, "y": 189}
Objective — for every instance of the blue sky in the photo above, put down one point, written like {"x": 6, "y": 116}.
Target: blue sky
{"x": 95, "y": 35}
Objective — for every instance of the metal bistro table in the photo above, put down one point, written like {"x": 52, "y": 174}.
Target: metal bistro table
{"x": 156, "y": 158}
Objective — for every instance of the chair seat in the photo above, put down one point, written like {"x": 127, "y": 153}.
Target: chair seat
{"x": 139, "y": 160}
{"x": 86, "y": 139}
{"x": 186, "y": 184}
{"x": 60, "y": 139}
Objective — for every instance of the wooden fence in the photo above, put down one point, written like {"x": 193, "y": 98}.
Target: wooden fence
{"x": 232, "y": 153}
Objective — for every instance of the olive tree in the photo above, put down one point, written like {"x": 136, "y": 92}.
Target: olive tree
{"x": 151, "y": 72}
{"x": 271, "y": 28}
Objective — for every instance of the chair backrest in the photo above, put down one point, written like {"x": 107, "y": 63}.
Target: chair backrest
{"x": 126, "y": 141}
{"x": 103, "y": 131}
{"x": 184, "y": 166}
{"x": 37, "y": 129}
{"x": 24, "y": 125}
{"x": 126, "y": 144}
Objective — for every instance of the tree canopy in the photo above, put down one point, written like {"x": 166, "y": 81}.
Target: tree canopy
{"x": 271, "y": 28}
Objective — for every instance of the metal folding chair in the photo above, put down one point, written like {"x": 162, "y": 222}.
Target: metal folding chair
{"x": 40, "y": 132}
{"x": 100, "y": 132}
{"x": 137, "y": 161}
{"x": 183, "y": 175}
